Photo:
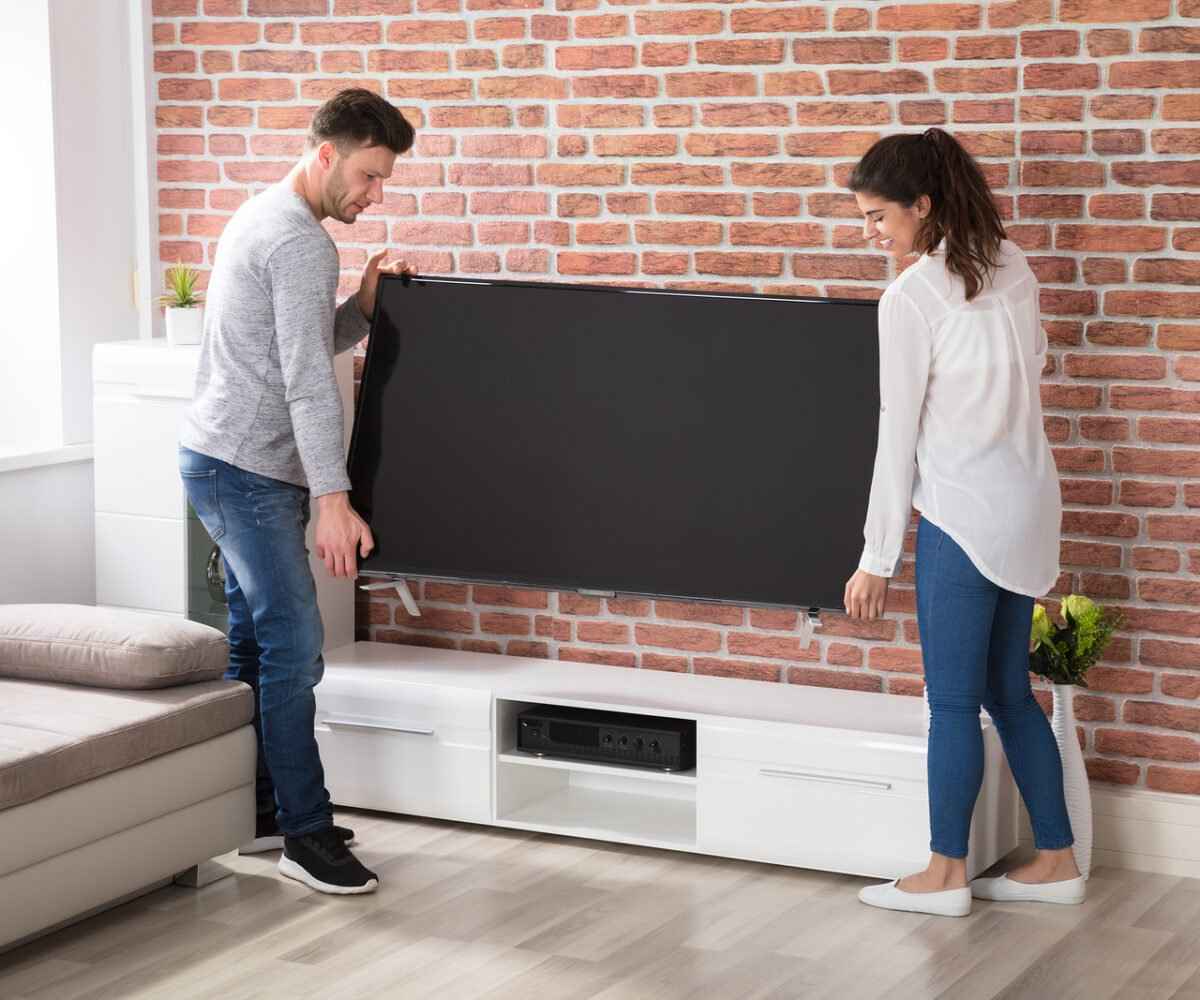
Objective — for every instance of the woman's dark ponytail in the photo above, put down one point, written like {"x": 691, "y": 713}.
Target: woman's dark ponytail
{"x": 901, "y": 168}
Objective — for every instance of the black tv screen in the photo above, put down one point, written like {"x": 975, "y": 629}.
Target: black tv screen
{"x": 706, "y": 446}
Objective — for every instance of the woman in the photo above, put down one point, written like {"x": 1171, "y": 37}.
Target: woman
{"x": 961, "y": 439}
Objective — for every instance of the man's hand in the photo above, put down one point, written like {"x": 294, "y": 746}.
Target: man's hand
{"x": 866, "y": 595}
{"x": 370, "y": 279}
{"x": 340, "y": 532}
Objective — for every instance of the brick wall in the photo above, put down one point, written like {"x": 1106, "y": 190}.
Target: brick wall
{"x": 702, "y": 143}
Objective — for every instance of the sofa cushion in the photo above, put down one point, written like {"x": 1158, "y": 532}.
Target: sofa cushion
{"x": 53, "y": 736}
{"x": 100, "y": 647}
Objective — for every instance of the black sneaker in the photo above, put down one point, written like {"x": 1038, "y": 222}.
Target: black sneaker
{"x": 322, "y": 861}
{"x": 268, "y": 836}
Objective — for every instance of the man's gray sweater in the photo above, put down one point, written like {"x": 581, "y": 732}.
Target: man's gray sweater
{"x": 266, "y": 397}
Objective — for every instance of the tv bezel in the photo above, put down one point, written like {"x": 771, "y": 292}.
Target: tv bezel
{"x": 563, "y": 585}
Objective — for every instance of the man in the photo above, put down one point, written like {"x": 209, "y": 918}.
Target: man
{"x": 264, "y": 434}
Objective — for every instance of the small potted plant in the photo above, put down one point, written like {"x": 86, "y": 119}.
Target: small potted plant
{"x": 1063, "y": 653}
{"x": 185, "y": 312}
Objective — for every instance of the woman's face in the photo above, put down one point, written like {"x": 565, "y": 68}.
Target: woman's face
{"x": 890, "y": 226}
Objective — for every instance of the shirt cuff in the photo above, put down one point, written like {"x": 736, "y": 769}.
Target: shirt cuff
{"x": 876, "y": 565}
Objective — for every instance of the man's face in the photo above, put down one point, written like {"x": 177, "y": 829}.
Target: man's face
{"x": 354, "y": 181}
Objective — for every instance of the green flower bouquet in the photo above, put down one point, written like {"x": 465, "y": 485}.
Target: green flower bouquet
{"x": 1064, "y": 653}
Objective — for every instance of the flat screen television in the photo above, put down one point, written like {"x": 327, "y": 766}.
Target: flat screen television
{"x": 689, "y": 445}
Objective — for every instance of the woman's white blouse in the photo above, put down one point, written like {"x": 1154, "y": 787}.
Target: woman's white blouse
{"x": 961, "y": 436}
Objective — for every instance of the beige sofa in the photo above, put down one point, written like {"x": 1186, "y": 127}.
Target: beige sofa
{"x": 124, "y": 759}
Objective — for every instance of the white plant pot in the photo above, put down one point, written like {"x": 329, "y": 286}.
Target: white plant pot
{"x": 184, "y": 326}
{"x": 1075, "y": 778}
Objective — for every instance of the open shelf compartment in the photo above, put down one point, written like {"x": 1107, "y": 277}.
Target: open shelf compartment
{"x": 584, "y": 799}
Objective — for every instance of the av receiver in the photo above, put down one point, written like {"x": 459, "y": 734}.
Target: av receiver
{"x": 608, "y": 737}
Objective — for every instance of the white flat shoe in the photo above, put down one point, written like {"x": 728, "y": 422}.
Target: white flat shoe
{"x": 1069, "y": 892}
{"x": 947, "y": 903}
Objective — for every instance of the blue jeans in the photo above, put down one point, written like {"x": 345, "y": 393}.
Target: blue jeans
{"x": 275, "y": 631}
{"x": 975, "y": 644}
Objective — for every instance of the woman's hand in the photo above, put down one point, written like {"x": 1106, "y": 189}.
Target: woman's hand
{"x": 866, "y": 595}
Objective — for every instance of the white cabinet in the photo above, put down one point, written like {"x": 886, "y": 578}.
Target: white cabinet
{"x": 150, "y": 555}
{"x": 140, "y": 394}
{"x": 421, "y": 749}
{"x": 800, "y": 776}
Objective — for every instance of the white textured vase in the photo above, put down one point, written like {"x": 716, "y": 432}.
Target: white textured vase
{"x": 1075, "y": 778}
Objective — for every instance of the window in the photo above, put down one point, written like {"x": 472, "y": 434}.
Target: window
{"x": 73, "y": 225}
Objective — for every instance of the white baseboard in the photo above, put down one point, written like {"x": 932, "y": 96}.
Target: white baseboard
{"x": 1141, "y": 830}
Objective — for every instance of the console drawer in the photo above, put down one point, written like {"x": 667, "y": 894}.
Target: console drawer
{"x": 861, "y": 754}
{"x": 408, "y": 748}
{"x": 812, "y": 817}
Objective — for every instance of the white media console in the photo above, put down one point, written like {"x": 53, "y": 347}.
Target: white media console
{"x": 805, "y": 776}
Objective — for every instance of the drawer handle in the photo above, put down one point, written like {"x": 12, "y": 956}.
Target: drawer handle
{"x": 388, "y": 727}
{"x": 770, "y": 772}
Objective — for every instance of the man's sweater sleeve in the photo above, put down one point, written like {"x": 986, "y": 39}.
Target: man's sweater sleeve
{"x": 304, "y": 323}
{"x": 350, "y": 325}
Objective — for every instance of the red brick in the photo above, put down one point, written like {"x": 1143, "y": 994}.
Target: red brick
{"x": 1116, "y": 142}
{"x": 656, "y": 661}
{"x": 1151, "y": 73}
{"x": 1156, "y": 560}
{"x": 761, "y": 52}
{"x": 1113, "y": 10}
{"x": 744, "y": 669}
{"x": 1117, "y": 772}
{"x": 1086, "y": 522}
{"x": 1122, "y": 107}
{"x": 1115, "y": 366}
{"x": 715, "y": 614}
{"x": 726, "y": 144}
{"x": 779, "y": 22}
{"x": 1175, "y": 686}
{"x": 841, "y": 50}
{"x": 746, "y": 264}
{"x": 1167, "y": 271}
{"x": 775, "y": 234}
{"x": 603, "y": 632}
{"x": 1178, "y": 338}
{"x": 1181, "y": 749}
{"x": 929, "y": 17}
{"x": 1051, "y": 109}
{"x": 668, "y": 174}
{"x": 985, "y": 47}
{"x": 1061, "y": 76}
{"x": 1089, "y": 708}
{"x": 708, "y": 22}
{"x": 1163, "y": 527}
{"x": 1018, "y": 13}
{"x": 1104, "y": 271}
{"x": 1173, "y": 779}
{"x": 674, "y": 637}
{"x": 596, "y": 263}
{"x": 685, "y": 203}
{"x": 895, "y": 81}
{"x": 1117, "y": 206}
{"x": 611, "y": 659}
{"x": 892, "y": 658}
{"x": 813, "y": 677}
{"x": 1141, "y": 494}
{"x": 1182, "y": 39}
{"x": 799, "y": 84}
{"x": 843, "y": 654}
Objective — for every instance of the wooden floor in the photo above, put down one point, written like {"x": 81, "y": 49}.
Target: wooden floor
{"x": 466, "y": 912}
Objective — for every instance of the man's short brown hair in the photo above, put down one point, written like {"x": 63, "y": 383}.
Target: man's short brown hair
{"x": 359, "y": 117}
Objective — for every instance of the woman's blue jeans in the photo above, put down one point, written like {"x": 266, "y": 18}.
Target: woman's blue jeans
{"x": 275, "y": 631}
{"x": 975, "y": 645}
